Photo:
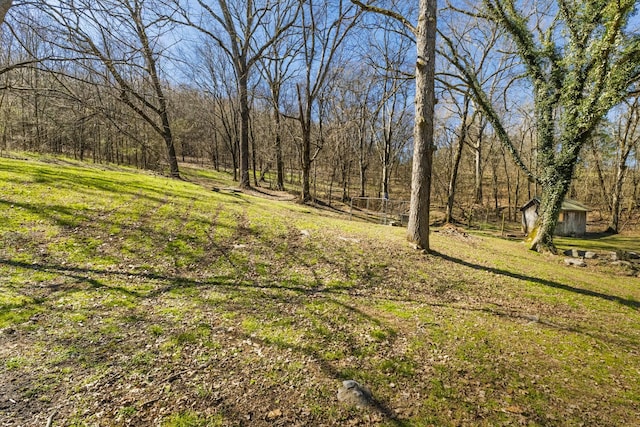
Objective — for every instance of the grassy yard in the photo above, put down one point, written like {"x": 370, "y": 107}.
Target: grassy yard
{"x": 132, "y": 299}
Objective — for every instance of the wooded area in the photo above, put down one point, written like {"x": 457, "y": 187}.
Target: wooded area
{"x": 316, "y": 96}
{"x": 156, "y": 270}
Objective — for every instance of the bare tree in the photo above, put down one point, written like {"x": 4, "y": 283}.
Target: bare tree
{"x": 360, "y": 89}
{"x": 425, "y": 36}
{"x": 214, "y": 76}
{"x": 462, "y": 132}
{"x": 325, "y": 26}
{"x": 277, "y": 66}
{"x": 119, "y": 40}
{"x": 627, "y": 137}
{"x": 238, "y": 28}
{"x": 392, "y": 113}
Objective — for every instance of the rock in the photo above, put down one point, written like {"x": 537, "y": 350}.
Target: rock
{"x": 576, "y": 253}
{"x": 615, "y": 256}
{"x": 575, "y": 262}
{"x": 354, "y": 394}
{"x": 305, "y": 233}
{"x": 632, "y": 255}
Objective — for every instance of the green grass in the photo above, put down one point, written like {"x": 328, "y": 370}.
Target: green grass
{"x": 192, "y": 307}
{"x": 189, "y": 419}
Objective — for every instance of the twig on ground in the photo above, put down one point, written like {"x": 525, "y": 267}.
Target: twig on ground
{"x": 50, "y": 419}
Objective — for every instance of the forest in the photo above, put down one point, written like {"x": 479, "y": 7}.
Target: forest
{"x": 317, "y": 97}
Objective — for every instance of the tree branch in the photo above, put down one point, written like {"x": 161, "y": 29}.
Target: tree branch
{"x": 386, "y": 12}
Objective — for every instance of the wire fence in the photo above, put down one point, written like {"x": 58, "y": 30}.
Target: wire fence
{"x": 384, "y": 211}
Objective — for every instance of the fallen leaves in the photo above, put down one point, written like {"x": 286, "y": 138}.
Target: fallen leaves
{"x": 276, "y": 413}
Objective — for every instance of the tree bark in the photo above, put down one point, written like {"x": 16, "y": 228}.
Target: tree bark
{"x": 244, "y": 128}
{"x": 418, "y": 228}
{"x": 541, "y": 237}
{"x": 305, "y": 195}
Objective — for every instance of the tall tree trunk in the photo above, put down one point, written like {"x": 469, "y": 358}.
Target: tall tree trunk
{"x": 254, "y": 158}
{"x": 234, "y": 158}
{"x": 214, "y": 152}
{"x": 152, "y": 68}
{"x": 363, "y": 177}
{"x": 244, "y": 130}
{"x": 279, "y": 161}
{"x": 541, "y": 237}
{"x": 628, "y": 139}
{"x": 507, "y": 177}
{"x": 477, "y": 197}
{"x": 616, "y": 199}
{"x": 166, "y": 133}
{"x": 556, "y": 182}
{"x": 453, "y": 179}
{"x": 603, "y": 186}
{"x": 304, "y": 118}
{"x": 494, "y": 180}
{"x": 171, "y": 151}
{"x": 616, "y": 196}
{"x": 418, "y": 228}
{"x": 346, "y": 172}
{"x": 305, "y": 195}
{"x": 386, "y": 172}
{"x": 363, "y": 161}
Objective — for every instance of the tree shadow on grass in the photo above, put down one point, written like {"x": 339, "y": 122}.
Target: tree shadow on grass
{"x": 96, "y": 277}
{"x": 635, "y": 305}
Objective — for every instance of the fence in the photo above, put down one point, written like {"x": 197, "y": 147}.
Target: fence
{"x": 384, "y": 211}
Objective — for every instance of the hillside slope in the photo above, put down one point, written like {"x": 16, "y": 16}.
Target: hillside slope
{"x": 130, "y": 299}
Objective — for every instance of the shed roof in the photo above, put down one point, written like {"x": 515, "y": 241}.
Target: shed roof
{"x": 567, "y": 205}
{"x": 573, "y": 205}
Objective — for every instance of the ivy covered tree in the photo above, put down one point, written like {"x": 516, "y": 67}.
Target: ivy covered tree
{"x": 580, "y": 59}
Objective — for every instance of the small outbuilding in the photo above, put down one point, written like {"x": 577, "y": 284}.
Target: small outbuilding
{"x": 571, "y": 222}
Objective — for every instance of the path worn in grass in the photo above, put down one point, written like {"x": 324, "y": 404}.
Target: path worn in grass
{"x": 128, "y": 299}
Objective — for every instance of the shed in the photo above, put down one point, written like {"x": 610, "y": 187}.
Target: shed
{"x": 572, "y": 220}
